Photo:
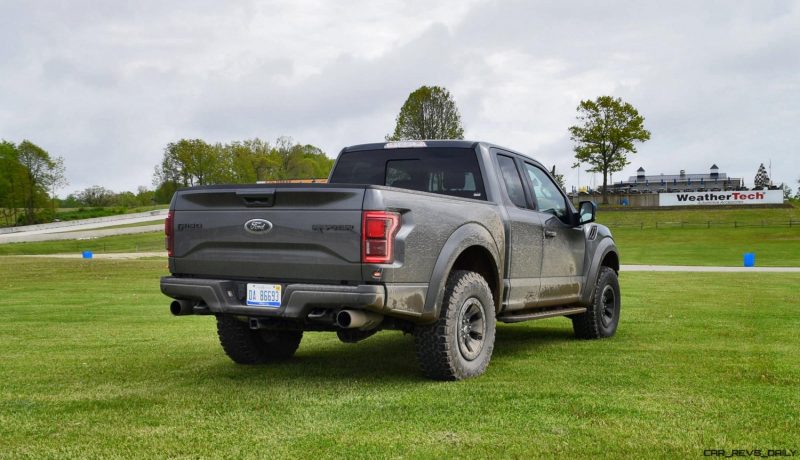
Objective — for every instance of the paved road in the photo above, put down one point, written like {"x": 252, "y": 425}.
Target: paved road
{"x": 69, "y": 230}
{"x": 70, "y": 234}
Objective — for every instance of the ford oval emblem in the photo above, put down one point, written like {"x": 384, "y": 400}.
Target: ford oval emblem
{"x": 257, "y": 226}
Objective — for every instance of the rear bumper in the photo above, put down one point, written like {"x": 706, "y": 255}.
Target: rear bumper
{"x": 298, "y": 300}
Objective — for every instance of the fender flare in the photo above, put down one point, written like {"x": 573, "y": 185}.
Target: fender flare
{"x": 604, "y": 247}
{"x": 466, "y": 236}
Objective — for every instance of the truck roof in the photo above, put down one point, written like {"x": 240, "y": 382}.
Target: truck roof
{"x": 451, "y": 143}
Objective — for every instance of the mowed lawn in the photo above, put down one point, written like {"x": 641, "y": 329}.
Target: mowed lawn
{"x": 773, "y": 247}
{"x": 137, "y": 242}
{"x": 94, "y": 366}
{"x": 682, "y": 238}
{"x": 706, "y": 236}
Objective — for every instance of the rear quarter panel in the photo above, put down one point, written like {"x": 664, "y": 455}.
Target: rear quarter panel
{"x": 428, "y": 221}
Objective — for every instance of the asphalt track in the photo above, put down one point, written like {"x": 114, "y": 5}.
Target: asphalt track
{"x": 85, "y": 229}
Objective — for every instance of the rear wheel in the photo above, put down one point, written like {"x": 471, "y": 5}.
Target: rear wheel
{"x": 460, "y": 343}
{"x": 246, "y": 346}
{"x": 602, "y": 316}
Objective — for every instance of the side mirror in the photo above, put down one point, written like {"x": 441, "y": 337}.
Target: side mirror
{"x": 587, "y": 211}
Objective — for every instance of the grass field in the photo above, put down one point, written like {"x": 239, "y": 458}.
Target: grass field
{"x": 94, "y": 366}
{"x": 639, "y": 241}
{"x": 774, "y": 247}
{"x": 700, "y": 218}
{"x": 138, "y": 242}
{"x": 704, "y": 237}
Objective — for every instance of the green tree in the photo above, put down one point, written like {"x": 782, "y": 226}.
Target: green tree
{"x": 189, "y": 162}
{"x": 235, "y": 162}
{"x": 57, "y": 178}
{"x": 307, "y": 162}
{"x": 41, "y": 173}
{"x": 145, "y": 196}
{"x": 11, "y": 177}
{"x": 164, "y": 191}
{"x": 428, "y": 113}
{"x": 71, "y": 201}
{"x": 194, "y": 162}
{"x": 250, "y": 161}
{"x": 126, "y": 199}
{"x": 261, "y": 160}
{"x": 606, "y": 133}
{"x": 96, "y": 196}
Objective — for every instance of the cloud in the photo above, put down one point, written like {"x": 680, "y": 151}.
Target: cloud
{"x": 106, "y": 86}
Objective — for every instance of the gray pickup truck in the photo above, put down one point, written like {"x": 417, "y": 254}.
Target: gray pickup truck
{"x": 439, "y": 239}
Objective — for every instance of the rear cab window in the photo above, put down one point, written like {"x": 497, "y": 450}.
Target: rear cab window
{"x": 512, "y": 180}
{"x": 446, "y": 171}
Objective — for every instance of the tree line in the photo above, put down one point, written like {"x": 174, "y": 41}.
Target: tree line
{"x": 101, "y": 197}
{"x": 190, "y": 162}
{"x": 29, "y": 175}
{"x": 193, "y": 162}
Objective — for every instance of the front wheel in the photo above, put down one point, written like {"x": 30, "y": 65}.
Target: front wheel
{"x": 602, "y": 316}
{"x": 459, "y": 344}
{"x": 246, "y": 346}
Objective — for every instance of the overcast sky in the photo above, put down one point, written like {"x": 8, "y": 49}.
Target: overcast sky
{"x": 107, "y": 85}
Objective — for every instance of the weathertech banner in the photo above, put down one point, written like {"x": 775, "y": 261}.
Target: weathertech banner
{"x": 720, "y": 198}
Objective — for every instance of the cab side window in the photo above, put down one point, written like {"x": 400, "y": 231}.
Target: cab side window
{"x": 548, "y": 196}
{"x": 512, "y": 180}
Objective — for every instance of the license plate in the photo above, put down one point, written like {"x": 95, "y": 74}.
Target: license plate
{"x": 264, "y": 295}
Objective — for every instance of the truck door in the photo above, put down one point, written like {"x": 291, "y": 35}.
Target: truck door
{"x": 564, "y": 244}
{"x": 524, "y": 235}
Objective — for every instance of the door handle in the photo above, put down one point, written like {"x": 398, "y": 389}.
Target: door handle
{"x": 549, "y": 234}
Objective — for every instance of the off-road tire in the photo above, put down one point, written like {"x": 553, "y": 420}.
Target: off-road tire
{"x": 443, "y": 348}
{"x": 246, "y": 346}
{"x": 602, "y": 316}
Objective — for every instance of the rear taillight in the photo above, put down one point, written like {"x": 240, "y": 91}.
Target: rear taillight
{"x": 169, "y": 233}
{"x": 378, "y": 229}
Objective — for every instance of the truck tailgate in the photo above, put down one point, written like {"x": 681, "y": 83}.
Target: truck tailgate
{"x": 296, "y": 233}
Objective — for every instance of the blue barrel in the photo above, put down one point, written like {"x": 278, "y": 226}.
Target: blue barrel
{"x": 749, "y": 259}
{"x": 87, "y": 254}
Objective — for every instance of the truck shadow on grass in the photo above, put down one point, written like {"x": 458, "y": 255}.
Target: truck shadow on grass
{"x": 520, "y": 338}
{"x": 385, "y": 357}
